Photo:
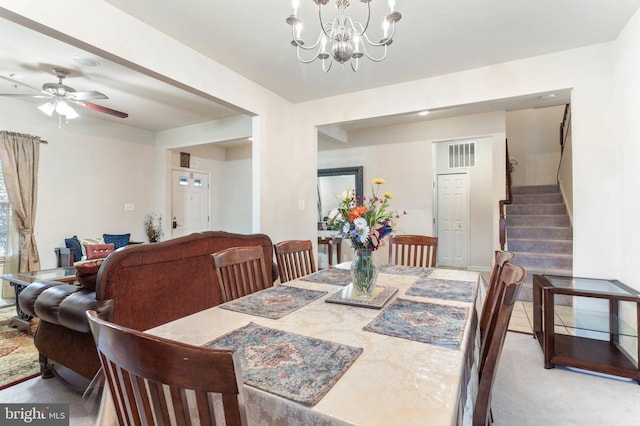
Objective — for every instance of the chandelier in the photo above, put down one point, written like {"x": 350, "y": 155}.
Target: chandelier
{"x": 343, "y": 39}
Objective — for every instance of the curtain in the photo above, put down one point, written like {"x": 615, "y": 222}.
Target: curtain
{"x": 20, "y": 155}
{"x": 12, "y": 255}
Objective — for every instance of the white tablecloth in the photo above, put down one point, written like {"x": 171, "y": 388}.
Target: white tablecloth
{"x": 394, "y": 381}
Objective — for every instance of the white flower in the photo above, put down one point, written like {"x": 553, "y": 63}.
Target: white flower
{"x": 333, "y": 214}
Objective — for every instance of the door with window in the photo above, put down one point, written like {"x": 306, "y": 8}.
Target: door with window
{"x": 452, "y": 220}
{"x": 189, "y": 202}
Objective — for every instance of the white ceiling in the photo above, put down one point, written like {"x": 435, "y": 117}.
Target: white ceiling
{"x": 251, "y": 37}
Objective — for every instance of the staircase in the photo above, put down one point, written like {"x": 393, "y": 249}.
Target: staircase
{"x": 539, "y": 233}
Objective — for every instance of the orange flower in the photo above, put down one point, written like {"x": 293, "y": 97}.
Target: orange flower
{"x": 357, "y": 212}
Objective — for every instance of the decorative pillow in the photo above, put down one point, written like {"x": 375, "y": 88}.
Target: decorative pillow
{"x": 74, "y": 243}
{"x": 118, "y": 240}
{"x": 87, "y": 273}
{"x": 91, "y": 240}
{"x": 98, "y": 251}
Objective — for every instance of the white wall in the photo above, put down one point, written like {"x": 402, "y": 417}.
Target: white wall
{"x": 534, "y": 141}
{"x": 626, "y": 134}
{"x": 235, "y": 202}
{"x": 88, "y": 171}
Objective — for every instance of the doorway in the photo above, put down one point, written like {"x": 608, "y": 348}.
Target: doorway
{"x": 189, "y": 202}
{"x": 453, "y": 220}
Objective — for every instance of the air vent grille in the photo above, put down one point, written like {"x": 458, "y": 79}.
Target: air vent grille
{"x": 462, "y": 155}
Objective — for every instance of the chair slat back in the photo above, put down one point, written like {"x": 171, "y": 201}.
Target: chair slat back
{"x": 144, "y": 372}
{"x": 509, "y": 282}
{"x": 241, "y": 271}
{"x": 493, "y": 293}
{"x": 413, "y": 250}
{"x": 295, "y": 259}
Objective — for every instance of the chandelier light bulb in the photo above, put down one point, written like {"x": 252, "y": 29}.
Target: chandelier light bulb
{"x": 392, "y": 5}
{"x": 295, "y": 4}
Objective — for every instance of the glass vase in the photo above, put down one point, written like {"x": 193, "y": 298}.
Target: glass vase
{"x": 364, "y": 273}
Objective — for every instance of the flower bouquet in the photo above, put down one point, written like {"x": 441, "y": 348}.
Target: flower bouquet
{"x": 365, "y": 223}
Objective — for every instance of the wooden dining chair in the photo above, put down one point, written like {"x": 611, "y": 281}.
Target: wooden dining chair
{"x": 241, "y": 271}
{"x": 491, "y": 299}
{"x": 295, "y": 259}
{"x": 413, "y": 250}
{"x": 330, "y": 243}
{"x": 509, "y": 284}
{"x": 154, "y": 380}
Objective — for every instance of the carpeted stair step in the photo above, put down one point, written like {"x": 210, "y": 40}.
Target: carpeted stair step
{"x": 535, "y": 261}
{"x": 540, "y": 232}
{"x": 555, "y": 198}
{"x": 535, "y": 189}
{"x": 540, "y": 245}
{"x": 538, "y": 220}
{"x": 536, "y": 209}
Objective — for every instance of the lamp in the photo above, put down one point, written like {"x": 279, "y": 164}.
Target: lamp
{"x": 345, "y": 38}
{"x": 61, "y": 107}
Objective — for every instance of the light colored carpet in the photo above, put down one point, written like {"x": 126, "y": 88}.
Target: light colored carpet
{"x": 39, "y": 390}
{"x": 526, "y": 394}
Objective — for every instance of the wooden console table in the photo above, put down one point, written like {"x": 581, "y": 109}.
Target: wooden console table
{"x": 581, "y": 347}
{"x": 20, "y": 280}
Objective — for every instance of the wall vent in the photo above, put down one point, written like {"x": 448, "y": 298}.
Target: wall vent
{"x": 462, "y": 155}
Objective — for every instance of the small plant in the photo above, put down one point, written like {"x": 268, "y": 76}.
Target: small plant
{"x": 153, "y": 227}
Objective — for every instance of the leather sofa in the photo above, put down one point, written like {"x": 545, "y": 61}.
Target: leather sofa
{"x": 138, "y": 286}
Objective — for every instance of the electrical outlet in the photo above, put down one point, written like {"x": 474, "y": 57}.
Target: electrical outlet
{"x": 129, "y": 207}
{"x": 301, "y": 205}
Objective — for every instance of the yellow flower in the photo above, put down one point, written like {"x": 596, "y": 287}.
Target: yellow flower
{"x": 387, "y": 195}
{"x": 378, "y": 181}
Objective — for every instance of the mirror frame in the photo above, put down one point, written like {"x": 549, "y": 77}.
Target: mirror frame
{"x": 356, "y": 171}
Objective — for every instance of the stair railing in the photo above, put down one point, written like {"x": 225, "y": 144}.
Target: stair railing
{"x": 507, "y": 200}
{"x": 564, "y": 133}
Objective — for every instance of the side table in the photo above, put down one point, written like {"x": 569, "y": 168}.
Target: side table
{"x": 579, "y": 346}
{"x": 20, "y": 280}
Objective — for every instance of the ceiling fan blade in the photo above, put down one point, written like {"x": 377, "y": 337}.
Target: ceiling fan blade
{"x": 19, "y": 83}
{"x": 23, "y": 95}
{"x": 81, "y": 96}
{"x": 106, "y": 110}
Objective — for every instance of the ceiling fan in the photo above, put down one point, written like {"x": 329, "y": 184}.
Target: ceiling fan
{"x": 62, "y": 96}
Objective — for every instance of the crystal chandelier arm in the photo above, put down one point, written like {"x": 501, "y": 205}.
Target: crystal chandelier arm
{"x": 295, "y": 41}
{"x": 364, "y": 50}
{"x": 386, "y": 40}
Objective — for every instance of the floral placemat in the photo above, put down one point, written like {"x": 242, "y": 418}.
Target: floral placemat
{"x": 442, "y": 289}
{"x": 274, "y": 302}
{"x": 335, "y": 276}
{"x": 404, "y": 270}
{"x": 421, "y": 322}
{"x": 296, "y": 367}
{"x": 347, "y": 296}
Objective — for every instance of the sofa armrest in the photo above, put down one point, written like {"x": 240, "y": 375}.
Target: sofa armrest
{"x": 64, "y": 256}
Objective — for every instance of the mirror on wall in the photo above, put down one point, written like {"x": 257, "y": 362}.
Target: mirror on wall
{"x": 332, "y": 182}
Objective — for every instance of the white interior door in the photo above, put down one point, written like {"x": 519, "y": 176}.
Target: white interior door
{"x": 452, "y": 220}
{"x": 189, "y": 202}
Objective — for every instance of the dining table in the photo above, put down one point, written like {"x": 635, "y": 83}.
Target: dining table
{"x": 314, "y": 353}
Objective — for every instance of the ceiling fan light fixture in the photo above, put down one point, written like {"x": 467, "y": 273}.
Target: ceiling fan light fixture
{"x": 48, "y": 108}
{"x": 63, "y": 108}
